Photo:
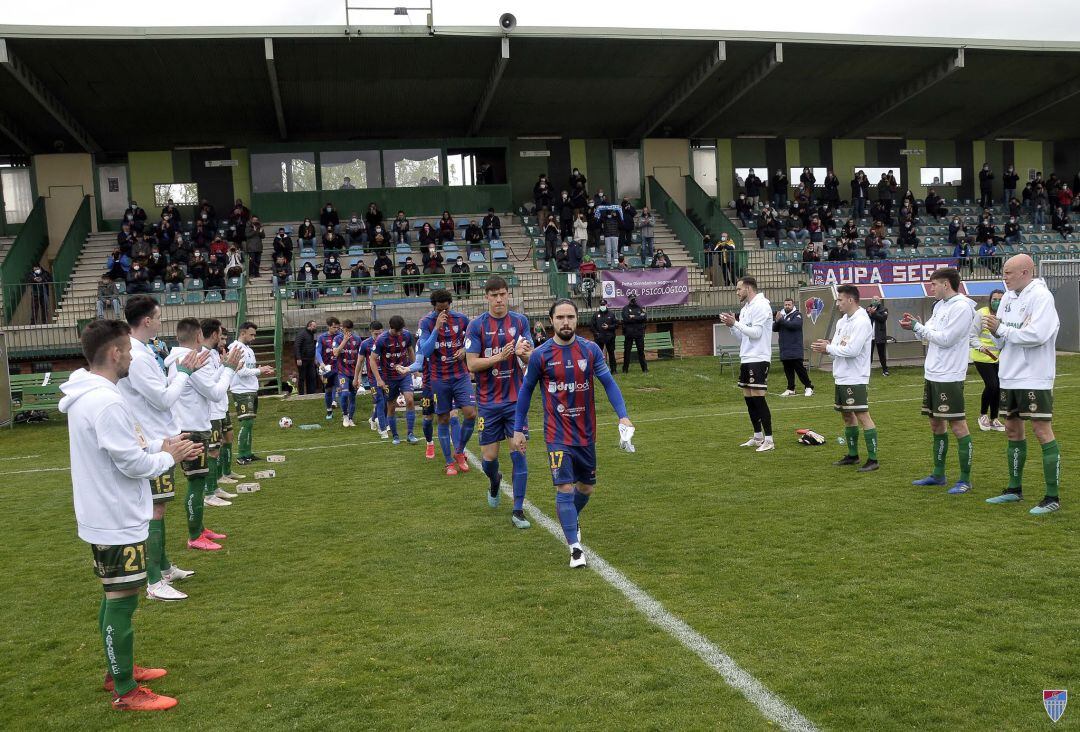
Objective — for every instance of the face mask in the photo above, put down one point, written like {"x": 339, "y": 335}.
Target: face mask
{"x": 354, "y": 219}
{"x": 603, "y": 308}
{"x": 329, "y": 209}
{"x": 994, "y": 305}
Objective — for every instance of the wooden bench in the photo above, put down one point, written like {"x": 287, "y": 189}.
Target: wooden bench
{"x": 659, "y": 341}
{"x": 36, "y": 391}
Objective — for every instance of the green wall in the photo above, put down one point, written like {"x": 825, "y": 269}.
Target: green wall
{"x": 846, "y": 155}
{"x": 725, "y": 164}
{"x": 146, "y": 169}
{"x": 598, "y": 157}
{"x": 241, "y": 174}
{"x": 523, "y": 172}
{"x": 579, "y": 156}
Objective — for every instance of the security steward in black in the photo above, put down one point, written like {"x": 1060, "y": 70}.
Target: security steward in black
{"x": 604, "y": 326}
{"x": 633, "y": 318}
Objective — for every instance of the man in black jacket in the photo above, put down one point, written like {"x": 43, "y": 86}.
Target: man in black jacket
{"x": 986, "y": 186}
{"x": 633, "y": 318}
{"x": 879, "y": 314}
{"x": 604, "y": 325}
{"x": 304, "y": 351}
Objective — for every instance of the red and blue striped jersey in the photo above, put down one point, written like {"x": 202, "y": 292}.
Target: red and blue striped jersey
{"x": 324, "y": 351}
{"x": 487, "y": 335}
{"x": 565, "y": 376}
{"x": 365, "y": 350}
{"x": 393, "y": 350}
{"x": 345, "y": 364}
{"x": 441, "y": 364}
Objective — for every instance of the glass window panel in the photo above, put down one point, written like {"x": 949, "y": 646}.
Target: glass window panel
{"x": 819, "y": 176}
{"x": 282, "y": 172}
{"x": 628, "y": 173}
{"x": 759, "y": 170}
{"x": 182, "y": 194}
{"x": 874, "y": 175}
{"x": 952, "y": 176}
{"x": 361, "y": 167}
{"x": 18, "y": 198}
{"x": 930, "y": 176}
{"x": 412, "y": 168}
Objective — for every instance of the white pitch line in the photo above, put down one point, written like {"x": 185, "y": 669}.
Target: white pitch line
{"x": 20, "y": 457}
{"x": 34, "y": 470}
{"x": 775, "y": 709}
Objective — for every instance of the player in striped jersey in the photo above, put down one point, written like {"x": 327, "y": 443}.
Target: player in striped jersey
{"x": 324, "y": 344}
{"x": 565, "y": 367}
{"x": 346, "y": 352}
{"x": 394, "y": 348}
{"x": 497, "y": 344}
{"x": 441, "y": 340}
{"x": 365, "y": 377}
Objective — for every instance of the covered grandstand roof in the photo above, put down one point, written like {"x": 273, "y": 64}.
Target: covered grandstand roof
{"x": 143, "y": 90}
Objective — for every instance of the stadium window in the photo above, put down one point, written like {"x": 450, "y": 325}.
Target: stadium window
{"x": 182, "y": 194}
{"x": 282, "y": 172}
{"x": 759, "y": 170}
{"x": 479, "y": 166}
{"x": 940, "y": 176}
{"x": 819, "y": 176}
{"x": 874, "y": 174}
{"x": 628, "y": 173}
{"x": 361, "y": 167}
{"x": 17, "y": 194}
{"x": 412, "y": 168}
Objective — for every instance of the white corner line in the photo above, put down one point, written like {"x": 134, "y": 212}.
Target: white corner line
{"x": 775, "y": 709}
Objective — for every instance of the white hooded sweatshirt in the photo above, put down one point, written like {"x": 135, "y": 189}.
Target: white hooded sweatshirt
{"x": 949, "y": 334}
{"x": 149, "y": 395}
{"x": 1027, "y": 336}
{"x": 192, "y": 409}
{"x": 246, "y": 379}
{"x": 754, "y": 330}
{"x": 110, "y": 462}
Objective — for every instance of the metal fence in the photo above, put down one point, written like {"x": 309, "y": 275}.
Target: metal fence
{"x": 1063, "y": 278}
{"x": 25, "y": 252}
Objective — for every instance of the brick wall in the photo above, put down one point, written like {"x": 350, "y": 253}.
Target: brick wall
{"x": 693, "y": 337}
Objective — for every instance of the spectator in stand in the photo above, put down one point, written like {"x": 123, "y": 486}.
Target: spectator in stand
{"x": 1060, "y": 223}
{"x": 281, "y": 272}
{"x": 432, "y": 260}
{"x": 197, "y": 266}
{"x": 140, "y": 250}
{"x": 108, "y": 296}
{"x": 447, "y": 228}
{"x": 492, "y": 225}
{"x": 808, "y": 180}
{"x": 202, "y": 235}
{"x": 779, "y": 185}
{"x": 347, "y": 185}
{"x": 360, "y": 278}
{"x": 568, "y": 258}
{"x": 138, "y": 280}
{"x": 633, "y": 324}
{"x": 647, "y": 229}
{"x": 1009, "y": 180}
{"x": 1012, "y": 231}
{"x": 810, "y": 253}
{"x": 156, "y": 263}
{"x": 592, "y": 226}
{"x": 752, "y": 184}
{"x": 988, "y": 257}
{"x": 174, "y": 278}
{"x": 328, "y": 218}
{"x": 609, "y": 225}
{"x": 1014, "y": 207}
{"x": 373, "y": 217}
{"x": 125, "y": 239}
{"x": 215, "y": 278}
{"x": 621, "y": 264}
{"x": 797, "y": 233}
{"x": 626, "y": 224}
{"x": 165, "y": 231}
{"x": 788, "y": 322}
{"x": 170, "y": 209}
{"x": 885, "y": 191}
{"x": 117, "y": 265}
{"x": 908, "y": 235}
{"x": 384, "y": 266}
{"x": 579, "y": 199}
{"x": 962, "y": 252}
{"x": 860, "y": 192}
{"x": 600, "y": 199}
{"x": 957, "y": 230}
{"x": 307, "y": 380}
{"x": 307, "y": 280}
{"x": 233, "y": 262}
{"x": 332, "y": 268}
{"x": 725, "y": 256}
{"x": 410, "y": 276}
{"x": 832, "y": 188}
{"x": 332, "y": 243}
{"x": 219, "y": 250}
{"x": 874, "y": 246}
{"x": 1065, "y": 198}
{"x": 39, "y": 281}
{"x": 460, "y": 271}
{"x": 543, "y": 198}
{"x": 581, "y": 230}
{"x": 206, "y": 214}
{"x": 306, "y": 234}
{"x": 587, "y": 270}
{"x": 355, "y": 230}
{"x": 401, "y": 227}
{"x": 744, "y": 209}
{"x": 135, "y": 217}
{"x": 552, "y": 237}
{"x": 768, "y": 228}
{"x": 660, "y": 260}
{"x": 985, "y": 230}
{"x": 283, "y": 245}
{"x": 253, "y": 245}
{"x": 840, "y": 252}
{"x": 986, "y": 186}
{"x": 1026, "y": 196}
{"x": 879, "y": 315}
{"x": 380, "y": 240}
{"x": 565, "y": 211}
{"x": 1040, "y": 203}
{"x": 238, "y": 221}
{"x": 428, "y": 236}
{"x": 576, "y": 179}
{"x": 474, "y": 236}
{"x": 935, "y": 205}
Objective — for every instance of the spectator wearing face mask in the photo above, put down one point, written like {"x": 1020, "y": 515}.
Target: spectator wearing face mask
{"x": 410, "y": 276}
{"x": 474, "y": 236}
{"x": 660, "y": 260}
{"x": 1012, "y": 231}
{"x": 219, "y": 250}
{"x": 117, "y": 265}
{"x": 328, "y": 218}
{"x": 492, "y": 225}
{"x": 1009, "y": 179}
{"x": 215, "y": 278}
{"x": 356, "y": 230}
{"x": 174, "y": 278}
{"x": 551, "y": 237}
{"x": 432, "y": 260}
{"x": 40, "y": 282}
{"x": 253, "y": 245}
{"x": 332, "y": 268}
{"x": 581, "y": 229}
{"x": 384, "y": 266}
{"x": 564, "y": 209}
{"x": 306, "y": 234}
{"x": 567, "y": 258}
{"x": 138, "y": 279}
{"x": 380, "y": 239}
{"x": 125, "y": 239}
{"x": 108, "y": 296}
{"x": 879, "y": 315}
{"x": 360, "y": 278}
{"x": 543, "y": 197}
{"x": 206, "y": 214}
{"x": 460, "y": 270}
{"x": 373, "y": 216}
{"x": 197, "y": 266}
{"x": 744, "y": 209}
{"x": 281, "y": 272}
{"x": 626, "y": 224}
{"x": 283, "y": 245}
{"x": 428, "y": 236}
{"x": 779, "y": 184}
{"x": 579, "y": 198}
{"x": 986, "y": 185}
{"x": 156, "y": 263}
{"x": 135, "y": 217}
{"x": 647, "y": 229}
{"x": 752, "y": 186}
{"x": 609, "y": 226}
{"x": 332, "y": 243}
{"x": 576, "y": 179}
{"x": 604, "y": 326}
{"x": 401, "y": 228}
{"x": 307, "y": 282}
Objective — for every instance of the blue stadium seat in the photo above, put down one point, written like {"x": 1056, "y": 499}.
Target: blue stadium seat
{"x": 477, "y": 257}
{"x": 496, "y": 244}
{"x": 403, "y": 248}
{"x": 193, "y": 297}
{"x": 451, "y": 249}
{"x": 158, "y": 285}
{"x": 635, "y": 262}
{"x": 497, "y": 254}
{"x": 173, "y": 298}
{"x": 213, "y": 296}
{"x": 194, "y": 284}
{"x": 233, "y": 283}
{"x": 232, "y": 295}
{"x": 356, "y": 251}
{"x": 307, "y": 252}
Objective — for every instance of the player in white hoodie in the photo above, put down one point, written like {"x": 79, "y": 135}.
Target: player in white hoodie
{"x": 245, "y": 389}
{"x": 850, "y": 347}
{"x": 949, "y": 334}
{"x": 111, "y": 461}
{"x": 1026, "y": 327}
{"x": 753, "y": 328}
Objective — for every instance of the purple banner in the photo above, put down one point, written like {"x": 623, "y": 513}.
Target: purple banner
{"x": 652, "y": 287}
{"x": 886, "y": 271}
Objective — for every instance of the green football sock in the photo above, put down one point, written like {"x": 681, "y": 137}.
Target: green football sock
{"x": 941, "y": 448}
{"x": 195, "y": 487}
{"x": 153, "y": 550}
{"x": 1051, "y": 467}
{"x": 225, "y": 462}
{"x": 119, "y": 641}
{"x": 243, "y": 440}
{"x": 164, "y": 562}
{"x": 1017, "y": 454}
{"x": 870, "y": 436}
{"x": 965, "y": 450}
{"x": 101, "y": 616}
{"x": 851, "y": 434}
{"x": 211, "y": 476}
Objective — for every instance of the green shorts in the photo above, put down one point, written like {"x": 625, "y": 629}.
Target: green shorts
{"x": 852, "y": 398}
{"x": 216, "y": 431}
{"x": 247, "y": 405}
{"x": 198, "y": 466}
{"x": 120, "y": 567}
{"x": 1037, "y": 404}
{"x": 162, "y": 488}
{"x": 943, "y": 400}
{"x": 226, "y": 423}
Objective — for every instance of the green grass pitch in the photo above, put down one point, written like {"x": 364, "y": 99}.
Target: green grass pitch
{"x": 363, "y": 589}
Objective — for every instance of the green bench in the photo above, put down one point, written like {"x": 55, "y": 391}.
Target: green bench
{"x": 659, "y": 341}
{"x": 36, "y": 391}
{"x": 729, "y": 356}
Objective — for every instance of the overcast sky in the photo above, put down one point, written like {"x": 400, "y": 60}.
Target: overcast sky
{"x": 1044, "y": 20}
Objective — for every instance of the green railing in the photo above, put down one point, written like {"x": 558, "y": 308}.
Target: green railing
{"x": 25, "y": 252}
{"x": 711, "y": 212}
{"x": 279, "y": 336}
{"x": 241, "y": 304}
{"x": 558, "y": 283}
{"x": 677, "y": 219}
{"x": 72, "y": 246}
